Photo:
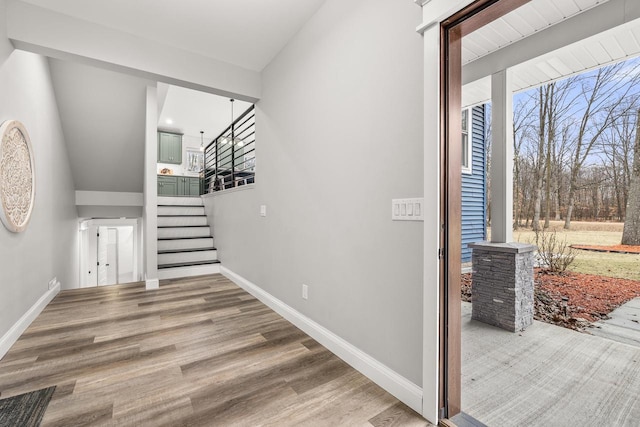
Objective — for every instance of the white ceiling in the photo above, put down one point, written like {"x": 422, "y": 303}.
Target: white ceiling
{"x": 617, "y": 44}
{"x": 246, "y": 33}
{"x": 609, "y": 47}
{"x": 103, "y": 120}
{"x": 519, "y": 24}
{"x": 192, "y": 111}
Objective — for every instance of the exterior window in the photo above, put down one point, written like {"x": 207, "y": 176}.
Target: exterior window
{"x": 466, "y": 140}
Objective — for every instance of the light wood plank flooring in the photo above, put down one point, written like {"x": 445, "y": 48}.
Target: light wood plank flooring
{"x": 196, "y": 352}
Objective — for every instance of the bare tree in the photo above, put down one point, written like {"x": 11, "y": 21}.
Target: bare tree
{"x": 561, "y": 102}
{"x": 617, "y": 156}
{"x": 555, "y": 102}
{"x": 560, "y": 154}
{"x": 545, "y": 97}
{"x": 602, "y": 95}
{"x": 521, "y": 127}
{"x": 631, "y": 232}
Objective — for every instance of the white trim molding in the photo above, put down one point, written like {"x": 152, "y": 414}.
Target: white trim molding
{"x": 229, "y": 191}
{"x": 151, "y": 284}
{"x": 403, "y": 389}
{"x": 467, "y": 163}
{"x": 435, "y": 11}
{"x": 21, "y": 325}
{"x": 108, "y": 198}
{"x": 431, "y": 270}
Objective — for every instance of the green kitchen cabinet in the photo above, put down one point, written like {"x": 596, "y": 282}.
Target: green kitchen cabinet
{"x": 169, "y": 148}
{"x": 194, "y": 187}
{"x": 183, "y": 186}
{"x": 188, "y": 186}
{"x": 172, "y": 185}
{"x": 167, "y": 185}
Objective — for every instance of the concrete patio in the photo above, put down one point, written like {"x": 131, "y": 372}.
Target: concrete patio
{"x": 547, "y": 375}
{"x": 623, "y": 324}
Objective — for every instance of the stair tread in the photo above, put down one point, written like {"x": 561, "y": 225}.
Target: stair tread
{"x": 187, "y": 264}
{"x": 182, "y": 226}
{"x": 185, "y": 238}
{"x": 178, "y": 216}
{"x": 179, "y": 251}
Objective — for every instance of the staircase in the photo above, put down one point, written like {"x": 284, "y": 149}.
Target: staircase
{"x": 185, "y": 245}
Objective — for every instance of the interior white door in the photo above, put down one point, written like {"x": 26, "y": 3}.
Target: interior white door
{"x": 126, "y": 255}
{"x": 102, "y": 256}
{"x": 107, "y": 256}
{"x": 112, "y": 256}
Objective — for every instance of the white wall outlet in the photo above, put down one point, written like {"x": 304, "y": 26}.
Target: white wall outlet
{"x": 407, "y": 209}
{"x": 263, "y": 210}
{"x": 305, "y": 292}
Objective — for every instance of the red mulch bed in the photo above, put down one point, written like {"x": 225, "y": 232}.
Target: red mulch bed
{"x": 573, "y": 300}
{"x": 623, "y": 249}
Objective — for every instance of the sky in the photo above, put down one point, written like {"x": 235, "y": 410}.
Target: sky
{"x": 623, "y": 87}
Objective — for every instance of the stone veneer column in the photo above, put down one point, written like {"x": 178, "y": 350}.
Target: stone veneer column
{"x": 502, "y": 290}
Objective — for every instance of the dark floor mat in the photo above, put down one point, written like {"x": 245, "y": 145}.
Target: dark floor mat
{"x": 25, "y": 410}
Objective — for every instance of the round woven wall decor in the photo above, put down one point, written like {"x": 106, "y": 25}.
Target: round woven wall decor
{"x": 17, "y": 176}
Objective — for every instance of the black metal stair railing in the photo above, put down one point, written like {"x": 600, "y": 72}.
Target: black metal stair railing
{"x": 229, "y": 160}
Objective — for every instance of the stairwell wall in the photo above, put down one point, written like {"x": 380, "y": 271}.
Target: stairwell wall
{"x": 48, "y": 247}
{"x": 339, "y": 134}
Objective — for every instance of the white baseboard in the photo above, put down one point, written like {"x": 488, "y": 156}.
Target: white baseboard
{"x": 150, "y": 284}
{"x": 21, "y": 325}
{"x": 403, "y": 389}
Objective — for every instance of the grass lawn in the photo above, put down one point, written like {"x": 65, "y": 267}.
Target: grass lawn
{"x": 593, "y": 233}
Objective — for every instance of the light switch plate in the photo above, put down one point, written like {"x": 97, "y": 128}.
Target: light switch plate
{"x": 407, "y": 209}
{"x": 263, "y": 210}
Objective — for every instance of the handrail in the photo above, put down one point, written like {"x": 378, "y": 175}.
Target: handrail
{"x": 234, "y": 165}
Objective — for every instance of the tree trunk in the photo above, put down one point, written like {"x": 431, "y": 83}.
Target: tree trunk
{"x": 544, "y": 95}
{"x": 536, "y": 207}
{"x": 631, "y": 232}
{"x": 571, "y": 199}
{"x": 616, "y": 186}
{"x": 557, "y": 202}
{"x": 551, "y": 136}
{"x": 567, "y": 219}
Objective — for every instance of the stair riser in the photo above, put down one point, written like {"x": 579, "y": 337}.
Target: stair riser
{"x": 180, "y": 201}
{"x": 171, "y": 245}
{"x": 180, "y": 210}
{"x": 183, "y": 257}
{"x": 181, "y": 221}
{"x": 172, "y": 233}
{"x": 172, "y": 273}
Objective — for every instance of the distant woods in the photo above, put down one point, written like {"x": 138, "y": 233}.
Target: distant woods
{"x": 574, "y": 145}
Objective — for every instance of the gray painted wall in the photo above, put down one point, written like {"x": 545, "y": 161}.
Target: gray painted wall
{"x": 103, "y": 118}
{"x": 48, "y": 247}
{"x": 340, "y": 133}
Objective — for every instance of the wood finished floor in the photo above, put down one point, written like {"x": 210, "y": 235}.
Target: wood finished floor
{"x": 197, "y": 352}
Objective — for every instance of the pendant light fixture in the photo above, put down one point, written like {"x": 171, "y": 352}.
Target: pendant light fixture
{"x": 234, "y": 139}
{"x": 231, "y": 138}
{"x": 201, "y": 140}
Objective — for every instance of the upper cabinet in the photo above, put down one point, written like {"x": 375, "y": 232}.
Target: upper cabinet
{"x": 169, "y": 148}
